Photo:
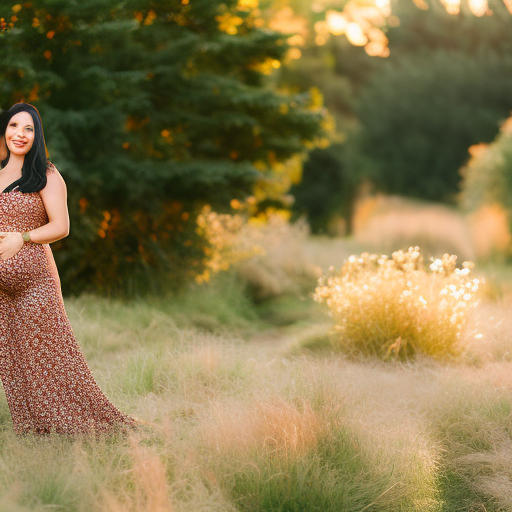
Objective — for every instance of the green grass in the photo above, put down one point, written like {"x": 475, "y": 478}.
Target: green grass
{"x": 250, "y": 416}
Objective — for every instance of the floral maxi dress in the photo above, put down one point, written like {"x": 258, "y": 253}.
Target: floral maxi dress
{"x": 48, "y": 384}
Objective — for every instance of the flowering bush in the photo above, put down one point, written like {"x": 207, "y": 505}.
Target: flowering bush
{"x": 397, "y": 306}
{"x": 229, "y": 241}
{"x": 265, "y": 249}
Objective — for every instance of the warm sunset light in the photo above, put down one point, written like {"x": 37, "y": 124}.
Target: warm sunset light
{"x": 376, "y": 49}
{"x": 360, "y": 21}
{"x": 284, "y": 239}
{"x": 336, "y": 22}
{"x": 478, "y": 7}
{"x": 356, "y": 35}
{"x": 451, "y": 6}
{"x": 384, "y": 7}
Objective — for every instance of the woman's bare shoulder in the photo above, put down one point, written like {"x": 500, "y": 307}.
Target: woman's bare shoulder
{"x": 54, "y": 179}
{"x": 50, "y": 168}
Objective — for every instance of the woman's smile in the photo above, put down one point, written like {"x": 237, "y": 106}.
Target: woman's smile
{"x": 19, "y": 134}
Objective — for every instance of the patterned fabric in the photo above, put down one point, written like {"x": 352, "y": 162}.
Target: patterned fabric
{"x": 47, "y": 383}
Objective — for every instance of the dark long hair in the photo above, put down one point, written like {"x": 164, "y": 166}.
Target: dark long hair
{"x": 33, "y": 172}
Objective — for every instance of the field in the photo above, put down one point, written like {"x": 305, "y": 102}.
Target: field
{"x": 250, "y": 410}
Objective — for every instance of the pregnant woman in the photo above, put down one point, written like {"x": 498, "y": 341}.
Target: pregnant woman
{"x": 48, "y": 384}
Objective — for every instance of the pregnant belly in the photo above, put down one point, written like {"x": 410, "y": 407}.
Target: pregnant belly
{"x": 26, "y": 267}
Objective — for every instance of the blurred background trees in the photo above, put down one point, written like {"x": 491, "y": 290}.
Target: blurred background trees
{"x": 412, "y": 85}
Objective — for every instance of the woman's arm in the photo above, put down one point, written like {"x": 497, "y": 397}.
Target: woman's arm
{"x": 54, "y": 196}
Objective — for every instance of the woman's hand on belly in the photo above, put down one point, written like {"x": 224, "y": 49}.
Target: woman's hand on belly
{"x": 10, "y": 244}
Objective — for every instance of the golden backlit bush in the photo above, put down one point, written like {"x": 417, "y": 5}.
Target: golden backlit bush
{"x": 283, "y": 267}
{"x": 266, "y": 250}
{"x": 490, "y": 232}
{"x": 398, "y": 307}
{"x": 230, "y": 240}
{"x": 486, "y": 195}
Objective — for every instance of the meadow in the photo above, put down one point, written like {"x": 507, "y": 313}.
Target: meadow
{"x": 250, "y": 409}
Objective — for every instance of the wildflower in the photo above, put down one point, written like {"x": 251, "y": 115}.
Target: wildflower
{"x": 436, "y": 265}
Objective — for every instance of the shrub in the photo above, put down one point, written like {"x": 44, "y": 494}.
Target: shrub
{"x": 396, "y": 307}
{"x": 265, "y": 249}
{"x": 283, "y": 266}
{"x": 487, "y": 194}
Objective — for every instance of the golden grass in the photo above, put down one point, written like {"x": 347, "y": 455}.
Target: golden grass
{"x": 272, "y": 427}
{"x": 257, "y": 424}
{"x": 387, "y": 223}
{"x": 150, "y": 492}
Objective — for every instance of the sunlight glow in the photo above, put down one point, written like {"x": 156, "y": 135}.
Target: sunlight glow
{"x": 336, "y": 22}
{"x": 451, "y": 6}
{"x": 384, "y": 7}
{"x": 356, "y": 35}
{"x": 478, "y": 7}
{"x": 365, "y": 22}
{"x": 421, "y": 4}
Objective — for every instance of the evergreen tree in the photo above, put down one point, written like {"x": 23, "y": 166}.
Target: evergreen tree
{"x": 151, "y": 109}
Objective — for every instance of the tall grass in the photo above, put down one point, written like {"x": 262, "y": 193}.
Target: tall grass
{"x": 478, "y": 233}
{"x": 388, "y": 223}
{"x": 245, "y": 424}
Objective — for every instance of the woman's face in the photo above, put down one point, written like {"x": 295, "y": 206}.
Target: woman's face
{"x": 19, "y": 135}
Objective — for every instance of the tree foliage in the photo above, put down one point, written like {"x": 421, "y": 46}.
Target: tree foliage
{"x": 445, "y": 87}
{"x": 487, "y": 178}
{"x": 151, "y": 109}
{"x": 327, "y": 189}
{"x": 406, "y": 121}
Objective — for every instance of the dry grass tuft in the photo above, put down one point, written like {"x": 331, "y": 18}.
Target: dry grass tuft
{"x": 270, "y": 428}
{"x": 491, "y": 472}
